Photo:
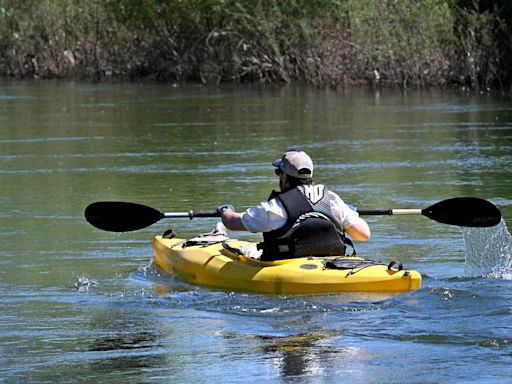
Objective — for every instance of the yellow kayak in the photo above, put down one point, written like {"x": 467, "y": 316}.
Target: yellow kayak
{"x": 221, "y": 265}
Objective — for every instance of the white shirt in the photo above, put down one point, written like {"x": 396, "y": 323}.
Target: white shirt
{"x": 271, "y": 215}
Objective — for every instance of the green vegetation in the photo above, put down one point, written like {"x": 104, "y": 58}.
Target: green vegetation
{"x": 406, "y": 43}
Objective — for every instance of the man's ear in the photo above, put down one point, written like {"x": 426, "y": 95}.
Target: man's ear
{"x": 285, "y": 178}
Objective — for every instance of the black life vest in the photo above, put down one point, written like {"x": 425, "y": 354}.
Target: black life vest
{"x": 310, "y": 230}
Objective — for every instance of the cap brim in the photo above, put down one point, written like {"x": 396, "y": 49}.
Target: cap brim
{"x": 277, "y": 163}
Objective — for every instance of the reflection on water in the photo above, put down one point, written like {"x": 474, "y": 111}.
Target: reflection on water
{"x": 124, "y": 340}
{"x": 488, "y": 252}
{"x": 298, "y": 355}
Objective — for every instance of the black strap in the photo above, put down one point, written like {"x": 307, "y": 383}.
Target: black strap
{"x": 231, "y": 249}
{"x": 349, "y": 242}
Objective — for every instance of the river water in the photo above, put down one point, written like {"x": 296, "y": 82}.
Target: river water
{"x": 80, "y": 305}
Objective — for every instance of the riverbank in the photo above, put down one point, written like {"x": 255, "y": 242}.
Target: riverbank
{"x": 325, "y": 43}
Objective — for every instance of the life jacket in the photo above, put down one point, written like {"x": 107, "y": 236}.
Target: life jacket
{"x": 310, "y": 230}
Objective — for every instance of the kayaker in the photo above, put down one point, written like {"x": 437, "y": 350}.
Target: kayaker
{"x": 302, "y": 219}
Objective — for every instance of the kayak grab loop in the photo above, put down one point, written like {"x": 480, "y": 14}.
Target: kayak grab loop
{"x": 169, "y": 234}
{"x": 398, "y": 265}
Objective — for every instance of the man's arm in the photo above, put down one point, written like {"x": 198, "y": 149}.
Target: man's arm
{"x": 265, "y": 217}
{"x": 232, "y": 220}
{"x": 359, "y": 230}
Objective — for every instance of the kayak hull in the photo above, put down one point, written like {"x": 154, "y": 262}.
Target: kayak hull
{"x": 214, "y": 266}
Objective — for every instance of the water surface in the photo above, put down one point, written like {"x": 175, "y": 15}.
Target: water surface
{"x": 79, "y": 304}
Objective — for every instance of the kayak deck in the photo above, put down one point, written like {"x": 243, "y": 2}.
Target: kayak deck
{"x": 214, "y": 266}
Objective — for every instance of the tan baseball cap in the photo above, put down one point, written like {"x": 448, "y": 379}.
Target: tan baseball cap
{"x": 297, "y": 164}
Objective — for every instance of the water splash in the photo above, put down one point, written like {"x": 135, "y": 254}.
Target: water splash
{"x": 83, "y": 284}
{"x": 488, "y": 252}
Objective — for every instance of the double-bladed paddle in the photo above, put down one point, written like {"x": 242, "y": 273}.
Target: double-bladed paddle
{"x": 117, "y": 216}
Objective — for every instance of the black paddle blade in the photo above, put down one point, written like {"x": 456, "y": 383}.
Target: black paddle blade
{"x": 464, "y": 212}
{"x": 116, "y": 216}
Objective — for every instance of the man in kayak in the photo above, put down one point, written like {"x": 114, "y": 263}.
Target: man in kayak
{"x": 301, "y": 219}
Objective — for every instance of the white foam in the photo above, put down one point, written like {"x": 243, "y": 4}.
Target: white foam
{"x": 488, "y": 252}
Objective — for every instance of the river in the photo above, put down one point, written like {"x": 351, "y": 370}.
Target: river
{"x": 80, "y": 305}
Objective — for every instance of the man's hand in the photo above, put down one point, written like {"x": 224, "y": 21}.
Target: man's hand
{"x": 225, "y": 207}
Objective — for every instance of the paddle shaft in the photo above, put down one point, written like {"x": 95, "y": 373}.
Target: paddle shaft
{"x": 375, "y": 212}
{"x": 190, "y": 214}
{"x": 391, "y": 212}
